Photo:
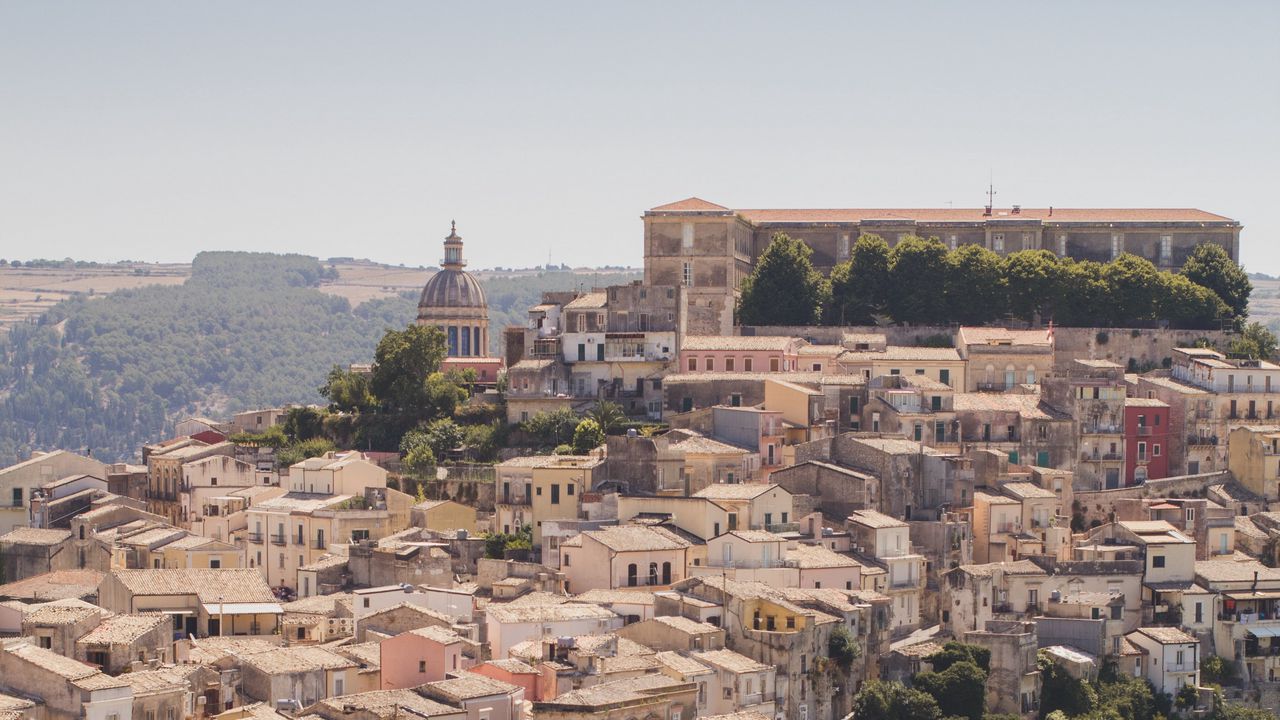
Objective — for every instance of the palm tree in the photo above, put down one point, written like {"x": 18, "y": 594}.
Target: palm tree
{"x": 608, "y": 415}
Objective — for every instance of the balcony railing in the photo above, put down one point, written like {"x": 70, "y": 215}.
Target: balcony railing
{"x": 255, "y": 538}
{"x": 1201, "y": 440}
{"x": 1144, "y": 430}
{"x": 277, "y": 539}
{"x": 1100, "y": 430}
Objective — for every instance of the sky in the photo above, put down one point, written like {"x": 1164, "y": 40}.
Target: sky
{"x": 155, "y": 130}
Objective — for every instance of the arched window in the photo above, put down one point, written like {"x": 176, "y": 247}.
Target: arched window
{"x": 631, "y": 575}
{"x": 466, "y": 341}
{"x": 475, "y": 342}
{"x": 653, "y": 573}
{"x": 1010, "y": 376}
{"x": 1031, "y": 374}
{"x": 453, "y": 341}
{"x": 666, "y": 573}
{"x": 991, "y": 375}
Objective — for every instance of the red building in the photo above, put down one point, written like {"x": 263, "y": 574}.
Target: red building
{"x": 1146, "y": 440}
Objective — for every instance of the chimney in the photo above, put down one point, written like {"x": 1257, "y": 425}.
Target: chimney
{"x": 986, "y": 211}
{"x": 1050, "y": 211}
{"x": 1017, "y": 209}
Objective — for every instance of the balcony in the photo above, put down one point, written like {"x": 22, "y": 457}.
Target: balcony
{"x": 991, "y": 387}
{"x": 1201, "y": 440}
{"x": 255, "y": 538}
{"x": 277, "y": 540}
{"x": 1144, "y": 430}
{"x": 1100, "y": 430}
{"x": 904, "y": 583}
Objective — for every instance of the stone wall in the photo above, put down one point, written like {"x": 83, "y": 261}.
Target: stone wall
{"x": 1101, "y": 504}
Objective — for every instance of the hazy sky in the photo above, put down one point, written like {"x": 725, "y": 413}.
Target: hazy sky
{"x": 154, "y": 130}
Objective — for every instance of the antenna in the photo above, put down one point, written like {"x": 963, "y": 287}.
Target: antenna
{"x": 991, "y": 193}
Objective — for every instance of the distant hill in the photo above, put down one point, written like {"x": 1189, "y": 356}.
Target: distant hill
{"x": 110, "y": 372}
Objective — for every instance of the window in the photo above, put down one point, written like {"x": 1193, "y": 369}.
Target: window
{"x": 1166, "y": 248}
{"x": 693, "y": 364}
{"x": 1117, "y": 612}
{"x": 728, "y": 364}
{"x": 568, "y": 489}
{"x": 1155, "y": 449}
{"x": 46, "y": 643}
{"x": 688, "y": 274}
{"x": 17, "y": 497}
{"x": 944, "y": 376}
{"x": 686, "y": 235}
{"x": 1157, "y": 561}
{"x": 555, "y": 494}
{"x": 746, "y": 364}
{"x": 215, "y": 563}
{"x": 566, "y": 560}
{"x": 422, "y": 666}
{"x": 710, "y": 364}
{"x": 773, "y": 364}
{"x": 1117, "y": 245}
{"x": 997, "y": 242}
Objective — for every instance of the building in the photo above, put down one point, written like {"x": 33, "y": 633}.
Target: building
{"x": 511, "y": 624}
{"x": 419, "y": 656}
{"x": 1146, "y": 440}
{"x": 558, "y": 486}
{"x": 887, "y": 541}
{"x": 1169, "y": 660}
{"x": 1253, "y": 456}
{"x": 1000, "y": 359}
{"x": 67, "y": 689}
{"x": 623, "y": 556}
{"x": 1092, "y": 393}
{"x": 18, "y": 483}
{"x": 201, "y": 602}
{"x": 453, "y": 301}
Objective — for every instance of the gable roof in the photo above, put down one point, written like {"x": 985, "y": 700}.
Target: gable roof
{"x": 226, "y": 585}
{"x": 690, "y": 204}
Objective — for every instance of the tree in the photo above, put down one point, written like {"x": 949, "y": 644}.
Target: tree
{"x": 1210, "y": 266}
{"x": 1216, "y": 670}
{"x": 1084, "y": 295}
{"x": 783, "y": 289}
{"x": 1128, "y": 698}
{"x": 587, "y": 437}
{"x": 881, "y": 700}
{"x": 445, "y": 393}
{"x": 1061, "y": 692}
{"x": 1134, "y": 286}
{"x": 916, "y": 277}
{"x": 1031, "y": 281}
{"x": 1255, "y": 343}
{"x": 843, "y": 648}
{"x": 443, "y": 435}
{"x": 974, "y": 286}
{"x": 859, "y": 284}
{"x": 403, "y": 362}
{"x": 482, "y": 441}
{"x": 419, "y": 460}
{"x": 552, "y": 428}
{"x": 348, "y": 391}
{"x": 959, "y": 690}
{"x": 303, "y": 423}
{"x": 608, "y": 415}
{"x": 953, "y": 652}
{"x": 1185, "y": 304}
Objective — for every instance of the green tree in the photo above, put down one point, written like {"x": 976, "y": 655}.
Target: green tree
{"x": 303, "y": 423}
{"x": 291, "y": 454}
{"x": 843, "y": 648}
{"x": 587, "y": 437}
{"x": 916, "y": 277}
{"x": 1210, "y": 266}
{"x": 419, "y": 460}
{"x": 859, "y": 285}
{"x": 403, "y": 362}
{"x": 1185, "y": 304}
{"x": 882, "y": 700}
{"x": 348, "y": 391}
{"x": 552, "y": 428}
{"x": 443, "y": 435}
{"x": 1133, "y": 284}
{"x": 1084, "y": 295}
{"x": 482, "y": 441}
{"x": 1128, "y": 698}
{"x": 959, "y": 690}
{"x": 953, "y": 652}
{"x": 974, "y": 288}
{"x": 445, "y": 393}
{"x": 1255, "y": 343}
{"x": 1216, "y": 670}
{"x": 1062, "y": 692}
{"x": 608, "y": 415}
{"x": 783, "y": 289}
{"x": 1031, "y": 281}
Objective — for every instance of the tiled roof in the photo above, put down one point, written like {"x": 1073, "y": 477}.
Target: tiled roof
{"x": 387, "y": 704}
{"x": 636, "y": 538}
{"x": 992, "y": 499}
{"x": 437, "y": 634}
{"x": 1144, "y": 402}
{"x": 730, "y": 660}
{"x": 226, "y": 585}
{"x": 123, "y": 629}
{"x": 681, "y": 664}
{"x": 55, "y": 585}
{"x": 874, "y": 519}
{"x": 701, "y": 445}
{"x": 690, "y": 204}
{"x": 700, "y": 343}
{"x": 301, "y": 502}
{"x": 685, "y": 625}
{"x": 1049, "y": 216}
{"x": 588, "y": 301}
{"x": 60, "y": 612}
{"x": 601, "y": 596}
{"x": 155, "y": 682}
{"x": 613, "y": 693}
{"x": 547, "y": 613}
{"x": 1027, "y": 406}
{"x": 735, "y": 491}
{"x": 902, "y": 353}
{"x": 970, "y": 335}
{"x": 467, "y": 686}
{"x": 51, "y": 661}
{"x": 35, "y": 536}
{"x": 1018, "y": 567}
{"x": 756, "y": 536}
{"x": 319, "y": 604}
{"x": 1027, "y": 490}
{"x": 1166, "y": 635}
{"x": 1236, "y": 571}
{"x": 811, "y": 557}
{"x": 512, "y": 665}
{"x": 298, "y": 658}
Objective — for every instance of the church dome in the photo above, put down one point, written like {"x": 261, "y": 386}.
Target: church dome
{"x": 452, "y": 288}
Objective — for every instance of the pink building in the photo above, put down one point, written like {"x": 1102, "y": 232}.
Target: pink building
{"x": 514, "y": 671}
{"x": 715, "y": 353}
{"x": 420, "y": 656}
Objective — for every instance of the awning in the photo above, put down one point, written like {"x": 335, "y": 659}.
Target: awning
{"x": 1265, "y": 631}
{"x": 243, "y": 608}
{"x": 1254, "y": 595}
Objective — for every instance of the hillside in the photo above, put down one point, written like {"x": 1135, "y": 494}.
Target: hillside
{"x": 110, "y": 372}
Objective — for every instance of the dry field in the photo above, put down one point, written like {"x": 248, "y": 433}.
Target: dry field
{"x": 27, "y": 292}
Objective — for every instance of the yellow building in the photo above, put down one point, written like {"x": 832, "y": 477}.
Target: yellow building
{"x": 443, "y": 515}
{"x": 194, "y": 551}
{"x": 557, "y": 489}
{"x": 1253, "y": 457}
